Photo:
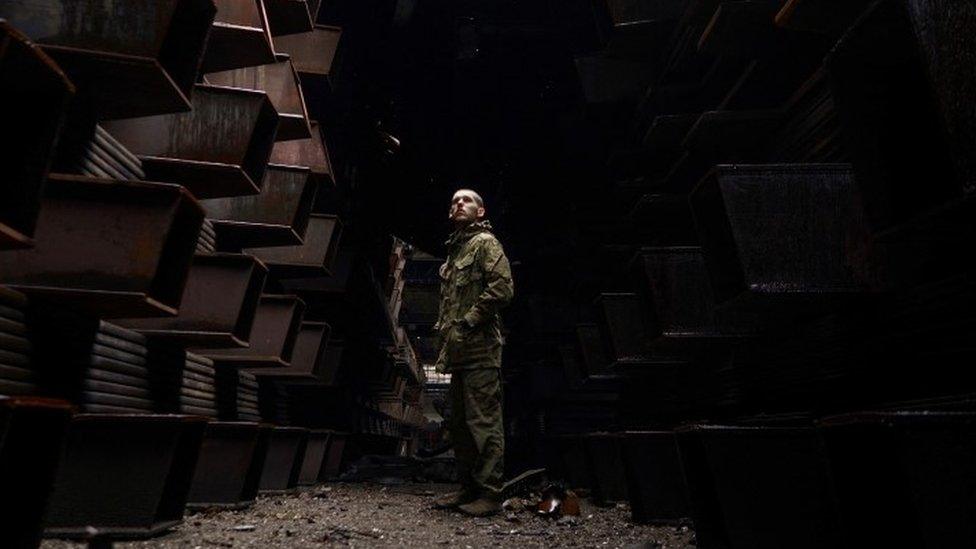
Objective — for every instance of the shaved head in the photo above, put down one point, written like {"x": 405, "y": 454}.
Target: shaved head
{"x": 474, "y": 195}
{"x": 466, "y": 207}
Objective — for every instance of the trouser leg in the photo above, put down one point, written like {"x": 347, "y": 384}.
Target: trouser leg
{"x": 482, "y": 397}
{"x": 465, "y": 452}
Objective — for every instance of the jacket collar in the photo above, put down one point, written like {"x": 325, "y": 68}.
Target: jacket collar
{"x": 464, "y": 234}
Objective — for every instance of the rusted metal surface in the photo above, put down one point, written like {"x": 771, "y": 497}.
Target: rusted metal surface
{"x": 655, "y": 481}
{"x": 313, "y": 52}
{"x": 277, "y": 216}
{"x": 115, "y": 248}
{"x": 334, "y": 453}
{"x": 240, "y": 37}
{"x": 605, "y": 461}
{"x": 782, "y": 235}
{"x": 273, "y": 335}
{"x": 310, "y": 152}
{"x": 309, "y": 357}
{"x": 180, "y": 382}
{"x": 289, "y": 16}
{"x": 130, "y": 58}
{"x": 316, "y": 452}
{"x": 180, "y": 148}
{"x": 911, "y": 468}
{"x": 758, "y": 486}
{"x": 237, "y": 395}
{"x": 315, "y": 257}
{"x": 681, "y": 312}
{"x": 218, "y": 306}
{"x": 32, "y": 433}
{"x": 225, "y": 476}
{"x": 280, "y": 81}
{"x": 140, "y": 501}
{"x": 34, "y": 95}
{"x": 283, "y": 463}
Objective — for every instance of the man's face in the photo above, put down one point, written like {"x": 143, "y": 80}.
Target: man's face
{"x": 465, "y": 208}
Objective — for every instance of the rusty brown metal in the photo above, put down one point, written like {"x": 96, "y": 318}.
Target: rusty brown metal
{"x": 230, "y": 465}
{"x": 312, "y": 52}
{"x": 140, "y": 501}
{"x": 308, "y": 359}
{"x": 310, "y": 152}
{"x": 133, "y": 58}
{"x": 219, "y": 302}
{"x": 32, "y": 432}
{"x": 115, "y": 248}
{"x": 280, "y": 81}
{"x": 239, "y": 38}
{"x": 283, "y": 463}
{"x": 34, "y": 96}
{"x": 278, "y": 216}
{"x": 315, "y": 257}
{"x": 316, "y": 450}
{"x": 682, "y": 318}
{"x": 180, "y": 148}
{"x": 290, "y": 16}
{"x": 273, "y": 335}
{"x": 796, "y": 232}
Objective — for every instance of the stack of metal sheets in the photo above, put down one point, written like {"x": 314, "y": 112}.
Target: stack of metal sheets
{"x": 274, "y": 401}
{"x": 103, "y": 156}
{"x": 16, "y": 375}
{"x": 237, "y": 395}
{"x": 182, "y": 382}
{"x": 208, "y": 237}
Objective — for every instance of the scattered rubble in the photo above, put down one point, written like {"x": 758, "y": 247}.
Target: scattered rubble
{"x": 373, "y": 515}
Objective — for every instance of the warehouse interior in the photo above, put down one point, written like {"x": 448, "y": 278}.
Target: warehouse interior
{"x": 738, "y": 231}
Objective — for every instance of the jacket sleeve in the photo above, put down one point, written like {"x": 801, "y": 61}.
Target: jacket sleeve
{"x": 499, "y": 288}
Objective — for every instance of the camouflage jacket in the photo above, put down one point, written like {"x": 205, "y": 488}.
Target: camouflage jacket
{"x": 476, "y": 282}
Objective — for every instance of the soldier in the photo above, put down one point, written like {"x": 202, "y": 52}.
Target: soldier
{"x": 476, "y": 282}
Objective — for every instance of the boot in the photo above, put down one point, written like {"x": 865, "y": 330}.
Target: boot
{"x": 481, "y": 507}
{"x": 451, "y": 500}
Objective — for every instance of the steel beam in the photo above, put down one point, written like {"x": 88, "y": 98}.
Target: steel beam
{"x": 112, "y": 248}
{"x": 133, "y": 58}
{"x": 180, "y": 148}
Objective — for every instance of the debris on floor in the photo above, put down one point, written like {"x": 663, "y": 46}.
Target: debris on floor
{"x": 373, "y": 515}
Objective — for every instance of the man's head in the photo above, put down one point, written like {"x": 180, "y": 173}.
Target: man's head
{"x": 466, "y": 207}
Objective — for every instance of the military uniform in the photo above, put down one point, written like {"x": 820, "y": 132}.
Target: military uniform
{"x": 476, "y": 282}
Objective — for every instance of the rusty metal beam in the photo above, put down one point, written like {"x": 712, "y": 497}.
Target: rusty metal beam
{"x": 180, "y": 148}
{"x": 34, "y": 96}
{"x": 312, "y": 52}
{"x": 140, "y": 501}
{"x": 283, "y": 463}
{"x": 311, "y": 152}
{"x": 289, "y": 16}
{"x": 316, "y": 452}
{"x": 225, "y": 476}
{"x": 797, "y": 232}
{"x": 272, "y": 338}
{"x": 133, "y": 58}
{"x": 309, "y": 357}
{"x": 32, "y": 433}
{"x": 240, "y": 37}
{"x": 218, "y": 306}
{"x": 315, "y": 257}
{"x": 280, "y": 81}
{"x": 277, "y": 216}
{"x": 113, "y": 248}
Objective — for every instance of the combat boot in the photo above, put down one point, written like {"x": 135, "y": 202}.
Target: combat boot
{"x": 451, "y": 500}
{"x": 481, "y": 507}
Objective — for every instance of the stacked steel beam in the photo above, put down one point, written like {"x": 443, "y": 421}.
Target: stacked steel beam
{"x": 765, "y": 151}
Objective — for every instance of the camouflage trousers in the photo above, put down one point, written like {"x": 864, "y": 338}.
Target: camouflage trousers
{"x": 477, "y": 431}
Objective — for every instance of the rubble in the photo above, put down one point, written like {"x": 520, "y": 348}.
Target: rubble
{"x": 367, "y": 514}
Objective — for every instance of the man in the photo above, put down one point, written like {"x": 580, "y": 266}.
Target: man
{"x": 476, "y": 282}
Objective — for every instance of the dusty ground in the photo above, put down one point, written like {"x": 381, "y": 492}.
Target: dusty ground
{"x": 374, "y": 515}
